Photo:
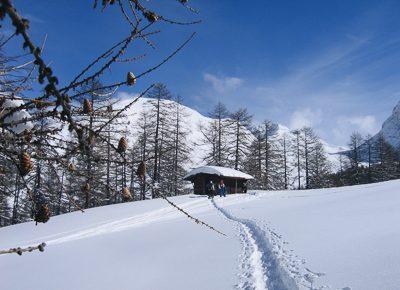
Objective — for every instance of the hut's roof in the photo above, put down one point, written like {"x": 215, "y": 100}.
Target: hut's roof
{"x": 220, "y": 171}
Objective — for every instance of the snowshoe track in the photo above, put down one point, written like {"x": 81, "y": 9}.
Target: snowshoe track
{"x": 260, "y": 266}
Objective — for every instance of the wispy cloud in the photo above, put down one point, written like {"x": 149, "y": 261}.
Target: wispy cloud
{"x": 305, "y": 118}
{"x": 351, "y": 78}
{"x": 366, "y": 124}
{"x": 223, "y": 84}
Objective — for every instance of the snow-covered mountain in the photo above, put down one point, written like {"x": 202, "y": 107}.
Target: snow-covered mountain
{"x": 193, "y": 120}
{"x": 390, "y": 131}
{"x": 391, "y": 128}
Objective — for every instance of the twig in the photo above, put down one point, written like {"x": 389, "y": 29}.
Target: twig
{"x": 7, "y": 40}
{"x": 196, "y": 220}
{"x": 21, "y": 26}
{"x": 122, "y": 110}
{"x": 19, "y": 250}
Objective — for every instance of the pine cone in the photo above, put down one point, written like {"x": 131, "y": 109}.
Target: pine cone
{"x": 42, "y": 213}
{"x": 109, "y": 109}
{"x": 27, "y": 136}
{"x": 130, "y": 79}
{"x": 41, "y": 247}
{"x": 67, "y": 99}
{"x": 2, "y": 170}
{"x": 141, "y": 171}
{"x": 25, "y": 164}
{"x": 87, "y": 106}
{"x": 122, "y": 145}
{"x": 42, "y": 104}
{"x": 86, "y": 187}
{"x": 71, "y": 167}
{"x": 126, "y": 194}
{"x": 150, "y": 16}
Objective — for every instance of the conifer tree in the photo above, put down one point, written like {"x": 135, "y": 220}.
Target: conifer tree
{"x": 355, "y": 156}
{"x": 159, "y": 112}
{"x": 215, "y": 136}
{"x": 295, "y": 146}
{"x": 240, "y": 122}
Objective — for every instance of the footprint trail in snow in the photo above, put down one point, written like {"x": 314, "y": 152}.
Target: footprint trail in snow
{"x": 264, "y": 263}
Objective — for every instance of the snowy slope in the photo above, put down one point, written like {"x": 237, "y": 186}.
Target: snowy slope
{"x": 191, "y": 120}
{"x": 345, "y": 237}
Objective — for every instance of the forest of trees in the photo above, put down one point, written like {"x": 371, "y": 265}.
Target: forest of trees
{"x": 277, "y": 161}
{"x": 369, "y": 159}
{"x": 296, "y": 159}
{"x": 64, "y": 144}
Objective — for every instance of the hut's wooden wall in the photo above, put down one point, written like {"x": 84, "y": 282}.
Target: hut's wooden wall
{"x": 233, "y": 185}
{"x": 199, "y": 184}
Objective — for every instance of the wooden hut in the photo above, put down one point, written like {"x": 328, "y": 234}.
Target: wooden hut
{"x": 235, "y": 181}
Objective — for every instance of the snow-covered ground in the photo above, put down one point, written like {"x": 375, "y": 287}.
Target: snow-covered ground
{"x": 339, "y": 237}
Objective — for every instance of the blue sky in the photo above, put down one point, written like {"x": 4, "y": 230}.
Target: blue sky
{"x": 334, "y": 65}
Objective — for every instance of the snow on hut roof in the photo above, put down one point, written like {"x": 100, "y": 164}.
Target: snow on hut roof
{"x": 220, "y": 171}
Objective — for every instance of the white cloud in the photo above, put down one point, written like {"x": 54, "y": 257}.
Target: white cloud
{"x": 305, "y": 118}
{"x": 223, "y": 84}
{"x": 363, "y": 124}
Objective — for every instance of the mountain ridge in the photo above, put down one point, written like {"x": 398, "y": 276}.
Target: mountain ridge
{"x": 390, "y": 129}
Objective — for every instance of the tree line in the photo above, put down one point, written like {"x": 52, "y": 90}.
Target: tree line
{"x": 294, "y": 159}
{"x": 368, "y": 159}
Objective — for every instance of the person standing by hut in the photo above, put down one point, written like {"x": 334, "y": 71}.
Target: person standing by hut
{"x": 210, "y": 189}
{"x": 245, "y": 187}
{"x": 222, "y": 189}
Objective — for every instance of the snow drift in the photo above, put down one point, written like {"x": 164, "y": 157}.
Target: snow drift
{"x": 337, "y": 238}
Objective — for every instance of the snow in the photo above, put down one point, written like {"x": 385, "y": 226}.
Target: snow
{"x": 192, "y": 122}
{"x": 391, "y": 128}
{"x": 16, "y": 116}
{"x": 338, "y": 238}
{"x": 220, "y": 171}
{"x": 332, "y": 151}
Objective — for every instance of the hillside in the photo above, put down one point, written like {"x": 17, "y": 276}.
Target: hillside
{"x": 192, "y": 121}
{"x": 338, "y": 237}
